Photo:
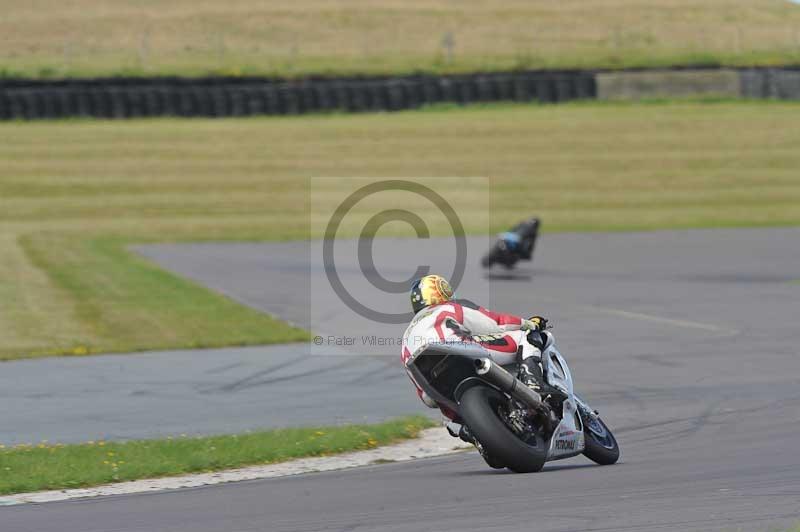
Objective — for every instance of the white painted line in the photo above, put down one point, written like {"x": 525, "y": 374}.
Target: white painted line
{"x": 658, "y": 319}
{"x": 432, "y": 442}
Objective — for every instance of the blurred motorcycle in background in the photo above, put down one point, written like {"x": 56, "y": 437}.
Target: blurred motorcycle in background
{"x": 514, "y": 245}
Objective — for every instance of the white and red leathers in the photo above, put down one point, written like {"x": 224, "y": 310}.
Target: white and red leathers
{"x": 462, "y": 320}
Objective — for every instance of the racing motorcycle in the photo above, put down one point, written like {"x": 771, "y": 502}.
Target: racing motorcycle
{"x": 515, "y": 245}
{"x": 511, "y": 425}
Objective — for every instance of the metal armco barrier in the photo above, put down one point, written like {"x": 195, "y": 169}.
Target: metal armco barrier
{"x": 218, "y": 97}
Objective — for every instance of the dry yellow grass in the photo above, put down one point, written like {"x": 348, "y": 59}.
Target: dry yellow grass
{"x": 74, "y": 193}
{"x": 89, "y": 37}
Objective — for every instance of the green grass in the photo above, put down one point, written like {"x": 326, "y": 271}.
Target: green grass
{"x": 168, "y": 308}
{"x": 74, "y": 194}
{"x": 45, "y": 466}
{"x": 47, "y": 38}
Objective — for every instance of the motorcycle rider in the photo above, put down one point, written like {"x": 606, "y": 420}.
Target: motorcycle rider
{"x": 441, "y": 318}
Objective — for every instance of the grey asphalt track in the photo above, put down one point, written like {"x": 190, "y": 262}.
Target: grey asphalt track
{"x": 685, "y": 340}
{"x": 159, "y": 394}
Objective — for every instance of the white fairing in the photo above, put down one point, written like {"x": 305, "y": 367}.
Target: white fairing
{"x": 568, "y": 439}
{"x": 555, "y": 367}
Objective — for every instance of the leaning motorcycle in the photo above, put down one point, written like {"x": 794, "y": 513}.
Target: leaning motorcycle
{"x": 514, "y": 245}
{"x": 511, "y": 425}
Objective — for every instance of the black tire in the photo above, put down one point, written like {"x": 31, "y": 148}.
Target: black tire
{"x": 601, "y": 445}
{"x": 492, "y": 462}
{"x": 478, "y": 407}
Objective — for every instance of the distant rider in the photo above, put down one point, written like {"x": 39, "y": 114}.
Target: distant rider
{"x": 440, "y": 318}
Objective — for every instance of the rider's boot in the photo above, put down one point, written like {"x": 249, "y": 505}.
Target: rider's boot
{"x": 531, "y": 368}
{"x": 531, "y": 376}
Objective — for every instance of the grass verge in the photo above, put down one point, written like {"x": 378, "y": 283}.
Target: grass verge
{"x": 126, "y": 289}
{"x": 47, "y": 38}
{"x": 74, "y": 194}
{"x": 28, "y": 468}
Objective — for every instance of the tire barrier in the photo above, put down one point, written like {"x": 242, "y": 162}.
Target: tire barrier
{"x": 220, "y": 97}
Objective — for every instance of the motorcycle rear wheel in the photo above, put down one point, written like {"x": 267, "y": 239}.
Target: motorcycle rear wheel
{"x": 492, "y": 462}
{"x": 479, "y": 407}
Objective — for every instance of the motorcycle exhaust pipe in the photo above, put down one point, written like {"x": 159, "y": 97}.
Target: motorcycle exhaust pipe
{"x": 505, "y": 381}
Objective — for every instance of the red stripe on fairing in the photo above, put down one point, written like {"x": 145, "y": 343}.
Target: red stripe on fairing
{"x": 510, "y": 347}
{"x": 448, "y": 413}
{"x": 501, "y": 319}
{"x": 405, "y": 355}
{"x": 458, "y": 315}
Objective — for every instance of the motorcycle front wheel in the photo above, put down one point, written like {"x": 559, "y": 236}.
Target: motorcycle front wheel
{"x": 601, "y": 445}
{"x": 482, "y": 409}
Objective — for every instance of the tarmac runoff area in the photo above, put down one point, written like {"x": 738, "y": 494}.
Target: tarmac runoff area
{"x": 686, "y": 341}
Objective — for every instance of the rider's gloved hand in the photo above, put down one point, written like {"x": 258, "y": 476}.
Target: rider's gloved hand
{"x": 541, "y": 323}
{"x": 536, "y": 323}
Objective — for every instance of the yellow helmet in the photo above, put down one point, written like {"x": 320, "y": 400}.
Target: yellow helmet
{"x": 430, "y": 290}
